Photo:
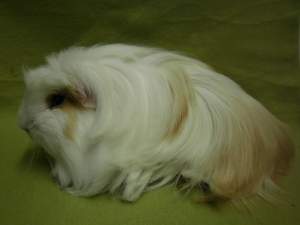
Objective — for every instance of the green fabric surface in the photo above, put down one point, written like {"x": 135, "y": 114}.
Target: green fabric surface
{"x": 253, "y": 42}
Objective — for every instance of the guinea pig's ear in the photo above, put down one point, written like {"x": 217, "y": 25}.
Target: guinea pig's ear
{"x": 82, "y": 96}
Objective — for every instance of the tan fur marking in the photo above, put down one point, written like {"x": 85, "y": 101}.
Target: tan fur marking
{"x": 177, "y": 125}
{"x": 72, "y": 121}
{"x": 180, "y": 120}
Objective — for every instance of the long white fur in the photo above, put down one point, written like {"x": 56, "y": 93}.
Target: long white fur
{"x": 124, "y": 144}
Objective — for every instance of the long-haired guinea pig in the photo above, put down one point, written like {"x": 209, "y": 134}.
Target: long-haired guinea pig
{"x": 126, "y": 119}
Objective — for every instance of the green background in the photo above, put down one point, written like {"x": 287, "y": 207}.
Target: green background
{"x": 253, "y": 42}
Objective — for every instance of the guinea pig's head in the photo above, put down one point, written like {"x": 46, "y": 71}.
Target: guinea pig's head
{"x": 58, "y": 108}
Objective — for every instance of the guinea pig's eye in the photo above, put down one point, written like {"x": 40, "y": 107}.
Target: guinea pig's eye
{"x": 56, "y": 100}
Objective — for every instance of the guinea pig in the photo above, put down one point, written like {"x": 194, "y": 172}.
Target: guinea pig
{"x": 127, "y": 119}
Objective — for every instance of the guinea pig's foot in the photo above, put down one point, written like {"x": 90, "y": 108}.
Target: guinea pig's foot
{"x": 61, "y": 177}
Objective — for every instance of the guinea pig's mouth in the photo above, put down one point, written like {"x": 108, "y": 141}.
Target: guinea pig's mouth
{"x": 30, "y": 131}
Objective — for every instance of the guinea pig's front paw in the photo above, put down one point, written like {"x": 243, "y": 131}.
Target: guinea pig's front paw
{"x": 61, "y": 176}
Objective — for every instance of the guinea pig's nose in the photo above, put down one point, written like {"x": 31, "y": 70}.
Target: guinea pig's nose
{"x": 25, "y": 125}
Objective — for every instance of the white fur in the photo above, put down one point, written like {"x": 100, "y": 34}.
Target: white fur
{"x": 123, "y": 145}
